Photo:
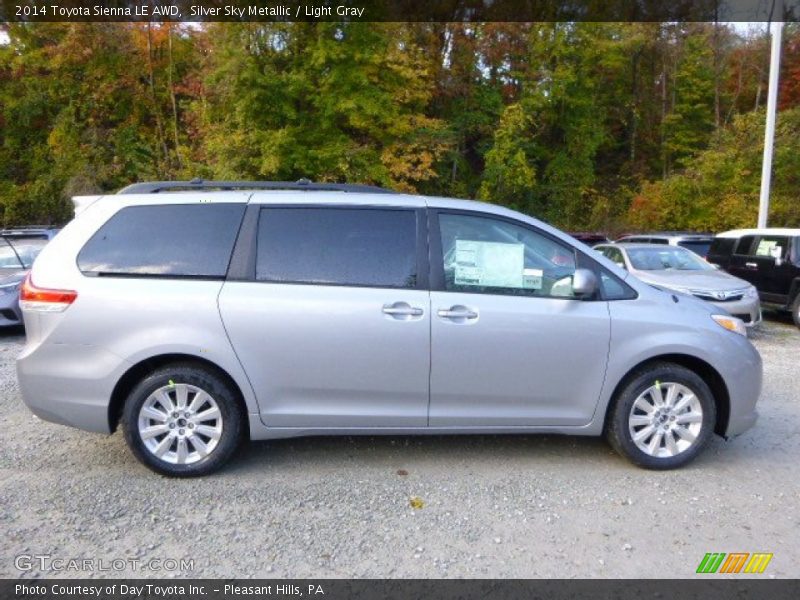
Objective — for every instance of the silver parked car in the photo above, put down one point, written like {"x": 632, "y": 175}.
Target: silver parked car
{"x": 19, "y": 247}
{"x": 699, "y": 243}
{"x": 225, "y": 311}
{"x": 679, "y": 269}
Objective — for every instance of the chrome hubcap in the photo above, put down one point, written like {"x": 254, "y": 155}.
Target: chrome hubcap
{"x": 180, "y": 424}
{"x": 665, "y": 420}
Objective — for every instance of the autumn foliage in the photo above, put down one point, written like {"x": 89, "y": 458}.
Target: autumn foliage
{"x": 606, "y": 126}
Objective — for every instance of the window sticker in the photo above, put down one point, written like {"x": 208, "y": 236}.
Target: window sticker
{"x": 490, "y": 264}
{"x": 769, "y": 248}
{"x": 532, "y": 279}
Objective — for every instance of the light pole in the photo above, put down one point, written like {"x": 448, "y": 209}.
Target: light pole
{"x": 769, "y": 132}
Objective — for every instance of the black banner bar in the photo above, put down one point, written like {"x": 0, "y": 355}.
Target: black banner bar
{"x": 711, "y": 588}
{"x": 396, "y": 10}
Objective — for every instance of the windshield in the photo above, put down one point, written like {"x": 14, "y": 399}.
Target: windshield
{"x": 669, "y": 258}
{"x": 27, "y": 249}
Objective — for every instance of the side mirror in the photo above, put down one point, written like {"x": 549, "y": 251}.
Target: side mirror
{"x": 584, "y": 283}
{"x": 778, "y": 261}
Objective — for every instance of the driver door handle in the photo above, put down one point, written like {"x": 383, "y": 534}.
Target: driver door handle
{"x": 457, "y": 313}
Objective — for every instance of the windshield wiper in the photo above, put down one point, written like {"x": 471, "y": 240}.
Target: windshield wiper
{"x": 14, "y": 250}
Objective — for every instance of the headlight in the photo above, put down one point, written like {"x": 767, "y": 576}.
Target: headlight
{"x": 731, "y": 324}
{"x": 751, "y": 292}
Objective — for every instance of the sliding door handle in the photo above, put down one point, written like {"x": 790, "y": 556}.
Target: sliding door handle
{"x": 401, "y": 310}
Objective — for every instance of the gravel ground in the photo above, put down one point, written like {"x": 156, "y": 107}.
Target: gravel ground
{"x": 492, "y": 506}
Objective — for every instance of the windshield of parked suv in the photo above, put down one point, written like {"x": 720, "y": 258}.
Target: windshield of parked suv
{"x": 669, "y": 258}
{"x": 26, "y": 252}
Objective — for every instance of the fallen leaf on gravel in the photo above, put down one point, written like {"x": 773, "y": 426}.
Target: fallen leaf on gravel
{"x": 402, "y": 472}
{"x": 416, "y": 502}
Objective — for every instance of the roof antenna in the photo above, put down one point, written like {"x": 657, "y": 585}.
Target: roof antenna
{"x": 303, "y": 181}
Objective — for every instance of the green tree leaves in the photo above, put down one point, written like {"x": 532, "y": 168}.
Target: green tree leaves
{"x": 586, "y": 125}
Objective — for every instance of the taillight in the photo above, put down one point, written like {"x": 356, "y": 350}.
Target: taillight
{"x": 43, "y": 299}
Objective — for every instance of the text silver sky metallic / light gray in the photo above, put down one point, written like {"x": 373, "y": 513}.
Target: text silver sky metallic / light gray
{"x": 199, "y": 318}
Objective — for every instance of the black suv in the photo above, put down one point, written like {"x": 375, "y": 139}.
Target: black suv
{"x": 767, "y": 258}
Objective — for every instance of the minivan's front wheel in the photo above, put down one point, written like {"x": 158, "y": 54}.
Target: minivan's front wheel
{"x": 182, "y": 421}
{"x": 663, "y": 417}
{"x": 796, "y": 310}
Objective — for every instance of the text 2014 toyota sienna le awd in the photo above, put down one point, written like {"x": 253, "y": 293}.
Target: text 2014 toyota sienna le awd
{"x": 197, "y": 318}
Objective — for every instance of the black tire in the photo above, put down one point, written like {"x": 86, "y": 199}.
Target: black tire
{"x": 231, "y": 424}
{"x": 657, "y": 376}
{"x": 796, "y": 310}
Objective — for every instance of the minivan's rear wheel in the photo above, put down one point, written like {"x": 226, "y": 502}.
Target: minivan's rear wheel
{"x": 182, "y": 421}
{"x": 663, "y": 417}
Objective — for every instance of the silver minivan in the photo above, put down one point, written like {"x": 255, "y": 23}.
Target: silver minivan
{"x": 198, "y": 314}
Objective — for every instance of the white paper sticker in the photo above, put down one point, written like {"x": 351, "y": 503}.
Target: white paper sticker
{"x": 532, "y": 279}
{"x": 489, "y": 264}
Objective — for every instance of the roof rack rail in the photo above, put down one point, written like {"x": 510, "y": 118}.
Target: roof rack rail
{"x": 26, "y": 227}
{"x": 155, "y": 187}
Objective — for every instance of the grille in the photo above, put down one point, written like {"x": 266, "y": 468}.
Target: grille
{"x": 730, "y": 296}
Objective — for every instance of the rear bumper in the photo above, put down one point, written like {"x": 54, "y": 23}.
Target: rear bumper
{"x": 70, "y": 384}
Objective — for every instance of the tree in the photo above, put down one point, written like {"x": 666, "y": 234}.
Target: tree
{"x": 688, "y": 127}
{"x": 328, "y": 101}
{"x": 721, "y": 189}
{"x": 510, "y": 177}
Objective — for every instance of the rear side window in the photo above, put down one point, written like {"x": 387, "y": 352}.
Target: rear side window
{"x": 338, "y": 246}
{"x": 614, "y": 254}
{"x": 170, "y": 240}
{"x": 721, "y": 247}
{"x": 698, "y": 247}
{"x": 745, "y": 245}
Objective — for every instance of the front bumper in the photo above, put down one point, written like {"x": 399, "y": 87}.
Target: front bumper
{"x": 10, "y": 314}
{"x": 746, "y": 309}
{"x": 743, "y": 374}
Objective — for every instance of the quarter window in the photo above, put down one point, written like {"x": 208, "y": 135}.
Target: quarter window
{"x": 338, "y": 246}
{"x": 482, "y": 254}
{"x": 170, "y": 240}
